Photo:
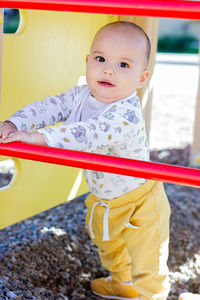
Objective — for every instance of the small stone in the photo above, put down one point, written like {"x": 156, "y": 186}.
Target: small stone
{"x": 11, "y": 295}
{"x": 28, "y": 294}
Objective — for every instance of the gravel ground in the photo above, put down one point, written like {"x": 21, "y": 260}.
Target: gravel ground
{"x": 50, "y": 256}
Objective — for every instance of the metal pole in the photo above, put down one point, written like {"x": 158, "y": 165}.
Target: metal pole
{"x": 104, "y": 163}
{"x": 186, "y": 9}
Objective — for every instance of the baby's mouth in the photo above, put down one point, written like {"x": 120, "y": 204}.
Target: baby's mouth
{"x": 105, "y": 83}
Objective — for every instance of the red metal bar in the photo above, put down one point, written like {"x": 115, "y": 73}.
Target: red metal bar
{"x": 92, "y": 161}
{"x": 186, "y": 9}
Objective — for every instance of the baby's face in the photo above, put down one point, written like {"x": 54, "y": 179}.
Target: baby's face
{"x": 116, "y": 65}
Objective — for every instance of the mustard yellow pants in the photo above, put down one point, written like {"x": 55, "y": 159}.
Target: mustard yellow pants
{"x": 132, "y": 235}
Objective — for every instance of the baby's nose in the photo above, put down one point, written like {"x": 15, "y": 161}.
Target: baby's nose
{"x": 108, "y": 70}
{"x": 108, "y": 73}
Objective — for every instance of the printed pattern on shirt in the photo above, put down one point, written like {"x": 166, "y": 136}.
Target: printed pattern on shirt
{"x": 117, "y": 130}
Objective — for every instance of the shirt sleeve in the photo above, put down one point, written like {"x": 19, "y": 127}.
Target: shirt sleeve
{"x": 111, "y": 127}
{"x": 49, "y": 111}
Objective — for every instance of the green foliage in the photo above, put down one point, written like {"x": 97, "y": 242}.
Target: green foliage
{"x": 11, "y": 27}
{"x": 11, "y": 20}
{"x": 178, "y": 44}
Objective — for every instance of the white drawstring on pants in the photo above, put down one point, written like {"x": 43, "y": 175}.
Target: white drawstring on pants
{"x": 105, "y": 221}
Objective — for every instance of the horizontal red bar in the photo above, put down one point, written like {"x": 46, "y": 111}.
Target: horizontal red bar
{"x": 156, "y": 8}
{"x": 92, "y": 161}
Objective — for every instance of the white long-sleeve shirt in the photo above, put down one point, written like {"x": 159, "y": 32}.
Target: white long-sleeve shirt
{"x": 115, "y": 129}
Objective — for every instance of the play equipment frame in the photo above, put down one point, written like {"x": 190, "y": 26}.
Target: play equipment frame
{"x": 155, "y": 8}
{"x": 149, "y": 170}
{"x": 104, "y": 163}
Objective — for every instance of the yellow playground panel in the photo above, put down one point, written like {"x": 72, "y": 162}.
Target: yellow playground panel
{"x": 46, "y": 57}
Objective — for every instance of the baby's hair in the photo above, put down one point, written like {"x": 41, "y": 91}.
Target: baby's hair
{"x": 135, "y": 28}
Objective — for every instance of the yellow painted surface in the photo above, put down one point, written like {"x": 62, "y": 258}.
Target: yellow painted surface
{"x": 46, "y": 57}
{"x": 1, "y": 38}
{"x": 1, "y": 18}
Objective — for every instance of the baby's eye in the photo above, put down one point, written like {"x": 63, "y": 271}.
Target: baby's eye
{"x": 100, "y": 59}
{"x": 123, "y": 65}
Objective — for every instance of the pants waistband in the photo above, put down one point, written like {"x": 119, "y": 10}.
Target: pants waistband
{"x": 130, "y": 197}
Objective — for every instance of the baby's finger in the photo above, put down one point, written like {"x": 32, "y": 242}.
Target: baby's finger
{"x": 1, "y": 128}
{"x": 12, "y": 137}
{"x": 5, "y": 132}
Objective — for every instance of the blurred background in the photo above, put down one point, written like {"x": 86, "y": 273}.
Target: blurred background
{"x": 11, "y": 20}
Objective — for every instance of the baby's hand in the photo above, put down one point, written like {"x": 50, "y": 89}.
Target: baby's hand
{"x": 26, "y": 137}
{"x": 6, "y": 128}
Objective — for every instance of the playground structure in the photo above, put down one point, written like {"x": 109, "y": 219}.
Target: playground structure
{"x": 40, "y": 66}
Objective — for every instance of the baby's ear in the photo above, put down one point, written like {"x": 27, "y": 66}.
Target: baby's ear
{"x": 87, "y": 57}
{"x": 143, "y": 77}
